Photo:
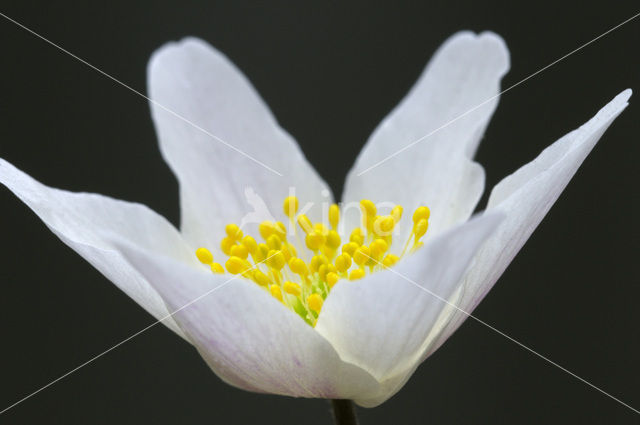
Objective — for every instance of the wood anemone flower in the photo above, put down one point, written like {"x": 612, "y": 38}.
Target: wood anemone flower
{"x": 323, "y": 303}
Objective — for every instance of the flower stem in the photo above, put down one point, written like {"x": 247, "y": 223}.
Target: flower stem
{"x": 344, "y": 412}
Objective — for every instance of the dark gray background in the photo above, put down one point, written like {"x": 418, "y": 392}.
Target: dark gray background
{"x": 329, "y": 72}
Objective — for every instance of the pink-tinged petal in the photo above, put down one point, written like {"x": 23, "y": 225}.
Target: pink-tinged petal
{"x": 248, "y": 338}
{"x": 219, "y": 137}
{"x": 525, "y": 197}
{"x": 381, "y": 322}
{"x": 439, "y": 123}
{"x": 86, "y": 222}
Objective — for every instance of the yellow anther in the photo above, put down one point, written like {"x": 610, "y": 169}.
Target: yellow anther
{"x": 274, "y": 242}
{"x": 261, "y": 253}
{"x": 314, "y": 240}
{"x": 305, "y": 223}
{"x": 356, "y": 236}
{"x": 250, "y": 244}
{"x": 321, "y": 228}
{"x": 378, "y": 247}
{"x": 204, "y": 255}
{"x": 316, "y": 262}
{"x": 240, "y": 251}
{"x": 396, "y": 213}
{"x": 420, "y": 228}
{"x": 236, "y": 265}
{"x": 233, "y": 231}
{"x": 225, "y": 245}
{"x": 281, "y": 230}
{"x": 328, "y": 251}
{"x": 343, "y": 262}
{"x": 350, "y": 248}
{"x": 333, "y": 239}
{"x": 362, "y": 255}
{"x": 421, "y": 213}
{"x": 332, "y": 279}
{"x": 356, "y": 274}
{"x": 298, "y": 267}
{"x": 276, "y": 292}
{"x": 368, "y": 208}
{"x": 266, "y": 229}
{"x": 322, "y": 271}
{"x": 384, "y": 225}
{"x": 275, "y": 259}
{"x": 261, "y": 278}
{"x": 314, "y": 301}
{"x": 290, "y": 206}
{"x": 390, "y": 260}
{"x": 334, "y": 216}
{"x": 288, "y": 251}
{"x": 369, "y": 245}
{"x": 326, "y": 269}
{"x": 292, "y": 288}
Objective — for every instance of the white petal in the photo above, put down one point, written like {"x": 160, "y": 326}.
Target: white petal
{"x": 247, "y": 337}
{"x": 81, "y": 220}
{"x": 525, "y": 197}
{"x": 195, "y": 81}
{"x": 381, "y": 322}
{"x": 450, "y": 104}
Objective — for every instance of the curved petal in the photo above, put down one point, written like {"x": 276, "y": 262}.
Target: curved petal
{"x": 525, "y": 197}
{"x": 381, "y": 322}
{"x": 425, "y": 145}
{"x": 220, "y": 140}
{"x": 247, "y": 337}
{"x": 84, "y": 220}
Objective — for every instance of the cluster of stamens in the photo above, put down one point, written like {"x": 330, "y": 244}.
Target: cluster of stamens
{"x": 303, "y": 281}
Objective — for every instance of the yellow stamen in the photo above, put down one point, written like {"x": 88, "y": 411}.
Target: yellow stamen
{"x": 290, "y": 206}
{"x": 298, "y": 267}
{"x": 314, "y": 301}
{"x": 332, "y": 279}
{"x": 233, "y": 231}
{"x": 239, "y": 251}
{"x": 225, "y": 245}
{"x": 261, "y": 278}
{"x": 314, "y": 240}
{"x": 266, "y": 229}
{"x": 292, "y": 288}
{"x": 396, "y": 213}
{"x": 356, "y": 274}
{"x": 275, "y": 259}
{"x": 276, "y": 292}
{"x": 307, "y": 283}
{"x": 274, "y": 242}
{"x": 343, "y": 262}
{"x": 420, "y": 229}
{"x": 204, "y": 255}
{"x": 236, "y": 265}
{"x": 390, "y": 260}
{"x": 305, "y": 223}
{"x": 250, "y": 244}
{"x": 421, "y": 213}
{"x": 362, "y": 255}
{"x": 350, "y": 248}
{"x": 334, "y": 216}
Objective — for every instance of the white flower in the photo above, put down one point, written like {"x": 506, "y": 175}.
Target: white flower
{"x": 371, "y": 333}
